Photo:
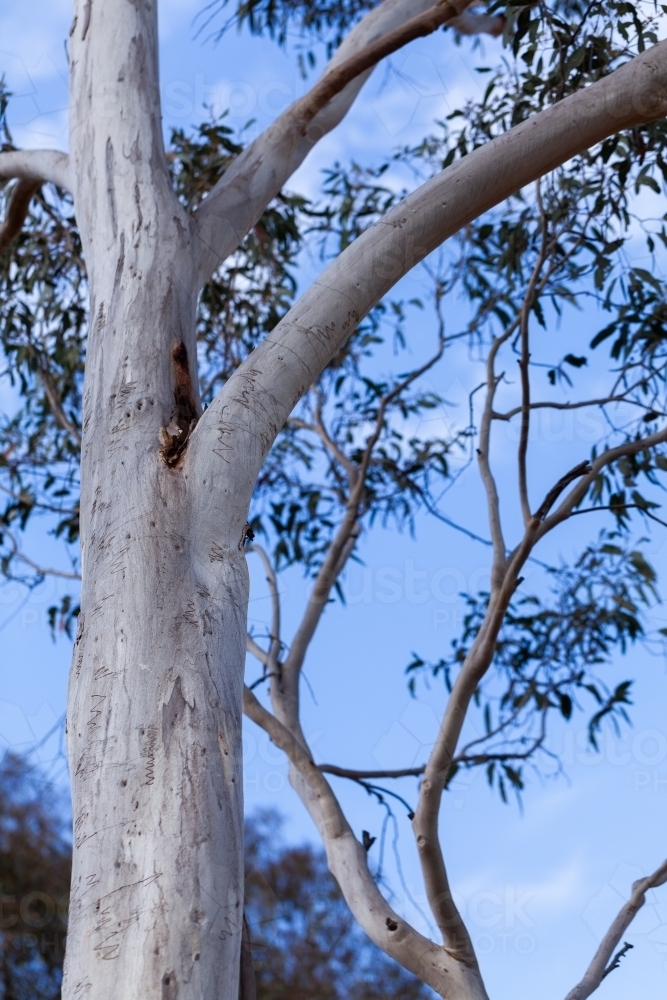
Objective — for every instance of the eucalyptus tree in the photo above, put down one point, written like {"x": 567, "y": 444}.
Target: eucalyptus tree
{"x": 152, "y": 329}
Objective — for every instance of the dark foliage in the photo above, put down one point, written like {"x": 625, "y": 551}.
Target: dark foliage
{"x": 306, "y": 945}
{"x": 35, "y": 877}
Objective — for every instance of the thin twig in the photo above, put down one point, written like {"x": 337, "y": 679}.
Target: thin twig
{"x": 272, "y": 659}
{"x": 41, "y": 571}
{"x": 528, "y": 302}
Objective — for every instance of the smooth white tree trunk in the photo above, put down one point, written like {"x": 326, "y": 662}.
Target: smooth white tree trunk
{"x": 154, "y": 713}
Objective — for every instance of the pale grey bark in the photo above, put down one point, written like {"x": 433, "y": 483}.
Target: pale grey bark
{"x": 156, "y": 684}
{"x": 31, "y": 168}
{"x": 155, "y": 691}
{"x": 39, "y": 165}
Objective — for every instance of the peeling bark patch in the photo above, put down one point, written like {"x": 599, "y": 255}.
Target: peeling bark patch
{"x": 169, "y": 986}
{"x": 172, "y": 713}
{"x": 176, "y": 435}
{"x": 121, "y": 262}
{"x": 137, "y": 200}
{"x": 111, "y": 186}
{"x": 86, "y": 18}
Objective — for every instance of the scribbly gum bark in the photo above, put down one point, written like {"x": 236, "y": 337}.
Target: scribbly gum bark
{"x": 154, "y": 714}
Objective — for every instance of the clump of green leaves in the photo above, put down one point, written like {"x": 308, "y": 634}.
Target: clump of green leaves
{"x": 549, "y": 657}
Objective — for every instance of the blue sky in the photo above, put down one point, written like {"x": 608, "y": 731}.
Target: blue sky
{"x": 537, "y": 889}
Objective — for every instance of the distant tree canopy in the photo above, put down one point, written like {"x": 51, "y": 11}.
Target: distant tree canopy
{"x": 306, "y": 944}
{"x": 35, "y": 863}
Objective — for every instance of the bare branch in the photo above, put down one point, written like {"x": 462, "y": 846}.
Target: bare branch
{"x": 346, "y": 772}
{"x": 38, "y": 165}
{"x": 286, "y": 694}
{"x": 546, "y": 405}
{"x": 577, "y": 494}
{"x": 256, "y": 650}
{"x": 579, "y": 470}
{"x": 438, "y": 768}
{"x": 287, "y": 699}
{"x": 39, "y": 570}
{"x": 336, "y": 78}
{"x": 488, "y": 478}
{"x": 54, "y": 399}
{"x": 321, "y": 431}
{"x": 621, "y": 506}
{"x": 272, "y": 657}
{"x": 348, "y": 862}
{"x": 524, "y": 361}
{"x": 237, "y": 201}
{"x": 600, "y": 967}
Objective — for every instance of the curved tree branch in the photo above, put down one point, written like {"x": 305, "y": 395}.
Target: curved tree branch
{"x": 31, "y": 168}
{"x": 600, "y": 966}
{"x": 40, "y": 165}
{"x": 286, "y": 697}
{"x": 348, "y": 772}
{"x": 257, "y": 175}
{"x": 588, "y": 472}
{"x": 39, "y": 570}
{"x": 348, "y": 862}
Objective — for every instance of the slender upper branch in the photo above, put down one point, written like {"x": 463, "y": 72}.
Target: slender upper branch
{"x": 258, "y": 174}
{"x": 488, "y": 479}
{"x": 273, "y": 654}
{"x": 599, "y": 967}
{"x": 548, "y": 405}
{"x": 524, "y": 361}
{"x": 578, "y": 492}
{"x": 36, "y": 567}
{"x": 286, "y": 699}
